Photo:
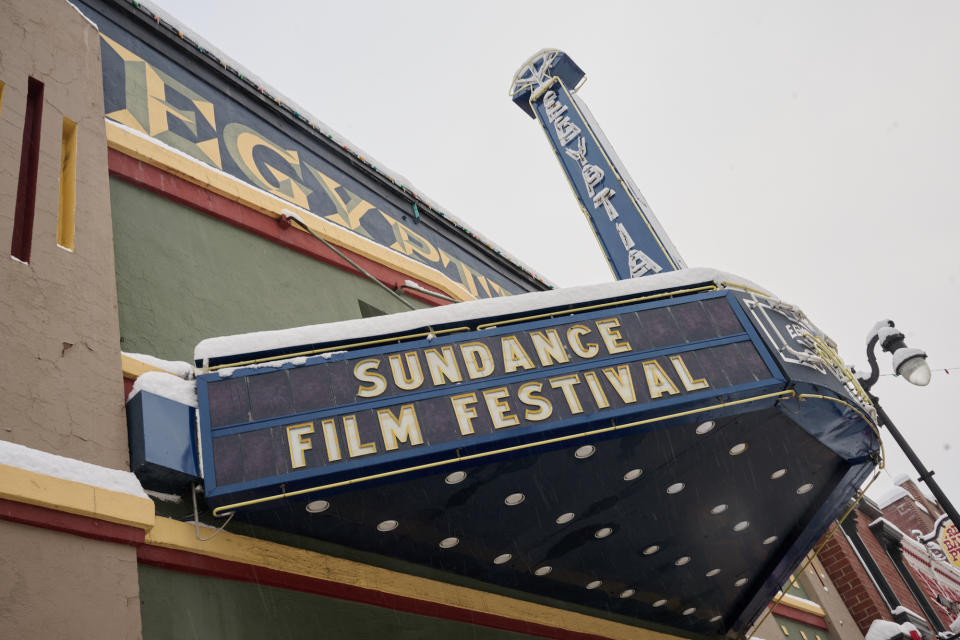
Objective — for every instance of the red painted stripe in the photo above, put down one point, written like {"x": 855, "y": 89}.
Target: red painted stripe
{"x": 196, "y": 197}
{"x": 69, "y": 523}
{"x": 800, "y": 616}
{"x": 127, "y": 388}
{"x": 213, "y": 567}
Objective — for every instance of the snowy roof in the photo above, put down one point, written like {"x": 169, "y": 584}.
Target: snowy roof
{"x": 21, "y": 457}
{"x": 892, "y": 495}
{"x": 240, "y": 73}
{"x": 247, "y": 343}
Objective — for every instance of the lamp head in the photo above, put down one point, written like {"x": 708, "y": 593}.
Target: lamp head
{"x": 913, "y": 367}
{"x": 907, "y": 362}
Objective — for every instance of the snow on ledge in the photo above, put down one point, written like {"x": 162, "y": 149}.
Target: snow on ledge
{"x": 460, "y": 312}
{"x": 166, "y": 385}
{"x": 49, "y": 464}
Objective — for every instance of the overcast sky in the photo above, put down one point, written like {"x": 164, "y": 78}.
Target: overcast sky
{"x": 812, "y": 148}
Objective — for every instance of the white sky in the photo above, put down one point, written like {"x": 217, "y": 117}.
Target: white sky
{"x": 813, "y": 148}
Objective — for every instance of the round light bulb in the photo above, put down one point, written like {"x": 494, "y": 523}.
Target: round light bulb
{"x": 585, "y": 451}
{"x": 317, "y": 506}
{"x": 633, "y": 474}
{"x": 449, "y": 543}
{"x": 387, "y": 525}
{"x": 456, "y": 477}
{"x": 706, "y": 427}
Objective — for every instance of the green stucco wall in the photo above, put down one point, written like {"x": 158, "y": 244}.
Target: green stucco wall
{"x": 187, "y": 607}
{"x": 183, "y": 276}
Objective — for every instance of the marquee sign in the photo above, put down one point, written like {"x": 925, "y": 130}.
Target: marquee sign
{"x": 611, "y": 451}
{"x": 623, "y": 222}
{"x": 148, "y": 91}
{"x": 375, "y": 409}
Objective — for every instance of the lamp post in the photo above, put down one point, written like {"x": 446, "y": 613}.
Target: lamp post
{"x": 912, "y": 365}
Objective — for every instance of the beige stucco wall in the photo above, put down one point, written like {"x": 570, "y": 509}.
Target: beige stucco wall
{"x": 60, "y": 380}
{"x": 57, "y": 585}
{"x": 817, "y": 583}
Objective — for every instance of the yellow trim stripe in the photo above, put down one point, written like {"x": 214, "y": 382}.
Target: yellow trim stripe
{"x": 133, "y": 368}
{"x": 28, "y": 487}
{"x": 172, "y": 534}
{"x": 143, "y": 149}
{"x": 801, "y": 604}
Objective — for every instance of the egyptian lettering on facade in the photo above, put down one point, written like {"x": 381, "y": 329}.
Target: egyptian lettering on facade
{"x": 157, "y": 104}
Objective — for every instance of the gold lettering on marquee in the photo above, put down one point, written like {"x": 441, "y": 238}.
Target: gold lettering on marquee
{"x": 354, "y": 446}
{"x": 477, "y": 359}
{"x": 612, "y": 339}
{"x": 566, "y": 384}
{"x": 405, "y": 428}
{"x": 443, "y": 364}
{"x": 542, "y": 407}
{"x": 410, "y": 379}
{"x": 574, "y": 335}
{"x": 658, "y": 382}
{"x": 622, "y": 382}
{"x": 498, "y": 407}
{"x": 548, "y": 347}
{"x": 298, "y": 443}
{"x": 598, "y": 394}
{"x": 688, "y": 382}
{"x": 331, "y": 440}
{"x": 464, "y": 412}
{"x": 363, "y": 371}
{"x": 514, "y": 356}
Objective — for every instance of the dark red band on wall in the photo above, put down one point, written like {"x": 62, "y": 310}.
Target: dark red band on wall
{"x": 23, "y": 210}
{"x": 69, "y": 523}
{"x": 225, "y": 569}
{"x": 178, "y": 190}
{"x": 800, "y": 616}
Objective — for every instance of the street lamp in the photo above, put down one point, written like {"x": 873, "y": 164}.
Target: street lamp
{"x": 912, "y": 365}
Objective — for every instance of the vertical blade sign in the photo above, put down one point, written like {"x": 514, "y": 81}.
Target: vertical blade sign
{"x": 621, "y": 219}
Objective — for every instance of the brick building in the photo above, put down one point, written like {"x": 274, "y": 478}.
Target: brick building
{"x": 883, "y": 573}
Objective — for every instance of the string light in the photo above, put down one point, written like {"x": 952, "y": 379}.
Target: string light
{"x": 944, "y": 370}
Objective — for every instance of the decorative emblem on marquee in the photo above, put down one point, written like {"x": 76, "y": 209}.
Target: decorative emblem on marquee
{"x": 799, "y": 342}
